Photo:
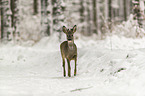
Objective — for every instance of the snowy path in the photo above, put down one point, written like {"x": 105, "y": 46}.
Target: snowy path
{"x": 38, "y": 72}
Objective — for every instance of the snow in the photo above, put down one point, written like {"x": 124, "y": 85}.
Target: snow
{"x": 114, "y": 66}
{"x": 37, "y": 70}
{"x": 29, "y": 24}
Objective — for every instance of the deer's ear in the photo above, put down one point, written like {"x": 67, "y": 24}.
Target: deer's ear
{"x": 74, "y": 28}
{"x": 64, "y": 29}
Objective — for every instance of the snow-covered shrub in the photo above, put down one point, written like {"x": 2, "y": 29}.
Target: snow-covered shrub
{"x": 30, "y": 26}
{"x": 129, "y": 28}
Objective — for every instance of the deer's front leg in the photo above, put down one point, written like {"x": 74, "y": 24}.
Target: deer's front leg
{"x": 69, "y": 68}
{"x": 64, "y": 72}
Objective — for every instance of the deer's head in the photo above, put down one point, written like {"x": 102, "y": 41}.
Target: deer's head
{"x": 69, "y": 33}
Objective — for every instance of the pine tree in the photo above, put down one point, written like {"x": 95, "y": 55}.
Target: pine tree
{"x": 58, "y": 17}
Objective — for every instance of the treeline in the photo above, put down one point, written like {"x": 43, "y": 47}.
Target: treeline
{"x": 9, "y": 19}
{"x": 91, "y": 16}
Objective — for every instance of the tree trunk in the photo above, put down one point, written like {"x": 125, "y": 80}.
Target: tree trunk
{"x": 110, "y": 10}
{"x": 2, "y": 15}
{"x": 125, "y": 10}
{"x": 15, "y": 20}
{"x": 86, "y": 24}
{"x": 82, "y": 17}
{"x": 35, "y": 6}
{"x": 128, "y": 7}
{"x": 6, "y": 19}
{"x": 89, "y": 31}
{"x": 95, "y": 19}
{"x": 142, "y": 6}
{"x": 106, "y": 10}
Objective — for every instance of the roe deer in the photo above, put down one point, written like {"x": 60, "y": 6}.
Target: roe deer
{"x": 69, "y": 50}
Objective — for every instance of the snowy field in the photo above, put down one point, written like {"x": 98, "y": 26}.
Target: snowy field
{"x": 37, "y": 70}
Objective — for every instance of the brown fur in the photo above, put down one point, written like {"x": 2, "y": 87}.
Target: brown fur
{"x": 69, "y": 50}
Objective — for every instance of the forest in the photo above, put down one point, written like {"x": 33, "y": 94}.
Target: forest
{"x": 100, "y": 17}
{"x": 104, "y": 54}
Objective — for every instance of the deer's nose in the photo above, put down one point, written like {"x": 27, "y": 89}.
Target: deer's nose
{"x": 69, "y": 38}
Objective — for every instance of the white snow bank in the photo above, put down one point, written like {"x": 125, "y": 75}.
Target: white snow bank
{"x": 124, "y": 43}
{"x": 29, "y": 71}
{"x": 111, "y": 42}
{"x": 37, "y": 70}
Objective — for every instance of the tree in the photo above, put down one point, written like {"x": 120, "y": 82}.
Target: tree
{"x": 138, "y": 14}
{"x": 125, "y": 9}
{"x": 85, "y": 17}
{"x": 1, "y": 13}
{"x": 58, "y": 16}
{"x": 82, "y": 17}
{"x": 46, "y": 16}
{"x": 5, "y": 19}
{"x": 142, "y": 6}
{"x": 35, "y": 6}
{"x": 15, "y": 20}
{"x": 89, "y": 18}
{"x": 110, "y": 10}
{"x": 95, "y": 17}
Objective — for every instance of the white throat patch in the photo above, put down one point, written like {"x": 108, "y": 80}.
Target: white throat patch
{"x": 70, "y": 45}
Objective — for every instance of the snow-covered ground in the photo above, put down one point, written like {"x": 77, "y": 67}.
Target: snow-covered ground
{"x": 37, "y": 70}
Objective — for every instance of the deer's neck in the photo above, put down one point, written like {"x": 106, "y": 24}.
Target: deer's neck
{"x": 71, "y": 45}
